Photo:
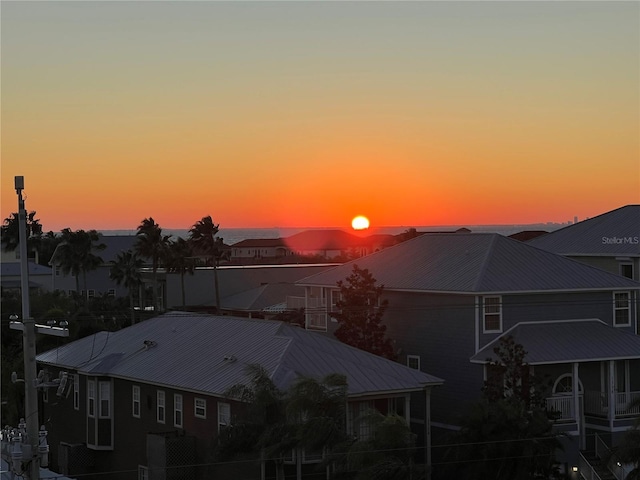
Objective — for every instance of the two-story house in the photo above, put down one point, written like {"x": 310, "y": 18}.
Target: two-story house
{"x": 451, "y": 296}
{"x": 148, "y": 401}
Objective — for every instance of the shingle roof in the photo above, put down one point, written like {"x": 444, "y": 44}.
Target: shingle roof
{"x": 614, "y": 233}
{"x": 473, "y": 263}
{"x": 209, "y": 354}
{"x": 568, "y": 341}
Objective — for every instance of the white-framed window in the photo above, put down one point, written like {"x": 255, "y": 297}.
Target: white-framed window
{"x": 105, "y": 399}
{"x": 111, "y": 292}
{"x": 91, "y": 398}
{"x": 335, "y": 298}
{"x": 57, "y": 270}
{"x": 160, "y": 406}
{"x": 492, "y": 314}
{"x": 45, "y": 395}
{"x": 357, "y": 422}
{"x": 76, "y": 392}
{"x": 224, "y": 415}
{"x": 200, "y": 407}
{"x": 143, "y": 472}
{"x": 135, "y": 401}
{"x": 626, "y": 270}
{"x": 91, "y": 293}
{"x": 177, "y": 410}
{"x": 316, "y": 308}
{"x": 621, "y": 309}
{"x": 413, "y": 361}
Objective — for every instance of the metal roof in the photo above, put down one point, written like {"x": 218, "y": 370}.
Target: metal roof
{"x": 12, "y": 269}
{"x": 614, "y": 233}
{"x": 568, "y": 341}
{"x": 209, "y": 354}
{"x": 257, "y": 299}
{"x": 473, "y": 263}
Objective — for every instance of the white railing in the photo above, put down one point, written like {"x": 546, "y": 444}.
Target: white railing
{"x": 595, "y": 403}
{"x": 295, "y": 303}
{"x": 623, "y": 403}
{"x": 586, "y": 470}
{"x": 562, "y": 404}
{"x": 603, "y": 452}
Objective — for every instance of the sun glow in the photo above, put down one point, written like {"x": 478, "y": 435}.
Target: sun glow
{"x": 360, "y": 223}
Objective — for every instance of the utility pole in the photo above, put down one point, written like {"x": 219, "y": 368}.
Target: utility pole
{"x": 28, "y": 453}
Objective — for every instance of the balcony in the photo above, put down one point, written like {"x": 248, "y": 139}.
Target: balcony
{"x": 627, "y": 404}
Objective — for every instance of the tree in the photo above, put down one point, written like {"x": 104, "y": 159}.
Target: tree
{"x": 10, "y": 232}
{"x": 179, "y": 260}
{"x": 508, "y": 434}
{"x": 627, "y": 451}
{"x": 125, "y": 270}
{"x": 202, "y": 237}
{"x": 151, "y": 244}
{"x": 359, "y": 314}
{"x": 311, "y": 414}
{"x": 75, "y": 254}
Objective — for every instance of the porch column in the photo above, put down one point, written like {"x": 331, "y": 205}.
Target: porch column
{"x": 611, "y": 393}
{"x": 576, "y": 404}
{"x": 427, "y": 430}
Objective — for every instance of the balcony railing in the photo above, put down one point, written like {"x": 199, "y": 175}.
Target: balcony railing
{"x": 563, "y": 404}
{"x": 626, "y": 403}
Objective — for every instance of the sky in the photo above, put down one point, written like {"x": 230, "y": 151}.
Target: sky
{"x": 308, "y": 113}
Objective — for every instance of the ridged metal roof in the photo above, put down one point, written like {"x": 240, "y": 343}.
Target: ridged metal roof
{"x": 473, "y": 263}
{"x": 209, "y": 354}
{"x": 568, "y": 341}
{"x": 261, "y": 297}
{"x": 615, "y": 233}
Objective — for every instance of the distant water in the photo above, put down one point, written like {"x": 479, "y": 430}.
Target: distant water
{"x": 235, "y": 235}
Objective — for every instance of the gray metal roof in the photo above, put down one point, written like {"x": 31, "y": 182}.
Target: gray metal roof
{"x": 209, "y": 354}
{"x": 567, "y": 341}
{"x": 473, "y": 263}
{"x": 13, "y": 269}
{"x": 614, "y": 233}
{"x": 256, "y": 299}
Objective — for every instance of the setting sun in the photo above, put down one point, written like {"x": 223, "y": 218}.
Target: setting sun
{"x": 360, "y": 223}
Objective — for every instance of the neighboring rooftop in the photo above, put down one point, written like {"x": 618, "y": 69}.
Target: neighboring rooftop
{"x": 567, "y": 341}
{"x": 614, "y": 233}
{"x": 473, "y": 263}
{"x": 209, "y": 354}
{"x": 259, "y": 298}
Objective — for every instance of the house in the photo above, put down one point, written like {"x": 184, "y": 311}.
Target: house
{"x": 39, "y": 276}
{"x": 610, "y": 241}
{"x": 452, "y": 296}
{"x": 263, "y": 301}
{"x": 150, "y": 399}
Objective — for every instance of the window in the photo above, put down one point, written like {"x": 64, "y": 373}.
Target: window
{"x": 177, "y": 410}
{"x": 492, "y": 314}
{"x": 92, "y": 293}
{"x": 224, "y": 415}
{"x": 413, "y": 361}
{"x": 160, "y": 406}
{"x": 200, "y": 408}
{"x": 621, "y": 309}
{"x": 91, "y": 398}
{"x": 105, "y": 399}
{"x": 143, "y": 472}
{"x": 45, "y": 395}
{"x": 111, "y": 292}
{"x": 358, "y": 421}
{"x": 135, "y": 401}
{"x": 76, "y": 392}
{"x": 57, "y": 267}
{"x": 626, "y": 270}
{"x": 335, "y": 298}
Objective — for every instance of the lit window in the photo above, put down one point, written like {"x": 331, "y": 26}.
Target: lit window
{"x": 200, "y": 408}
{"x": 621, "y": 309}
{"x": 177, "y": 410}
{"x": 224, "y": 415}
{"x": 135, "y": 401}
{"x": 492, "y": 314}
{"x": 160, "y": 407}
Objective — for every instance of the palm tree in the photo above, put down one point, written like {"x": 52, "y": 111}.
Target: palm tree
{"x": 10, "y": 234}
{"x": 202, "y": 236}
{"x": 75, "y": 254}
{"x": 179, "y": 260}
{"x": 153, "y": 245}
{"x": 125, "y": 270}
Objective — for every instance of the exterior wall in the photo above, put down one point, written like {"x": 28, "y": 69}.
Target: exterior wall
{"x": 611, "y": 264}
{"x": 97, "y": 280}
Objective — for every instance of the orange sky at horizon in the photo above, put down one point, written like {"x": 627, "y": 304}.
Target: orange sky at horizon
{"x": 295, "y": 114}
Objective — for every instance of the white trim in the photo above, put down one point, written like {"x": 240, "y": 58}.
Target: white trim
{"x": 627, "y": 308}
{"x": 413, "y": 357}
{"x": 91, "y": 396}
{"x": 477, "y": 323}
{"x": 492, "y": 314}
{"x": 161, "y": 406}
{"x": 135, "y": 389}
{"x": 76, "y": 392}
{"x": 203, "y": 408}
{"x": 104, "y": 396}
{"x": 221, "y": 414}
{"x": 178, "y": 410}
